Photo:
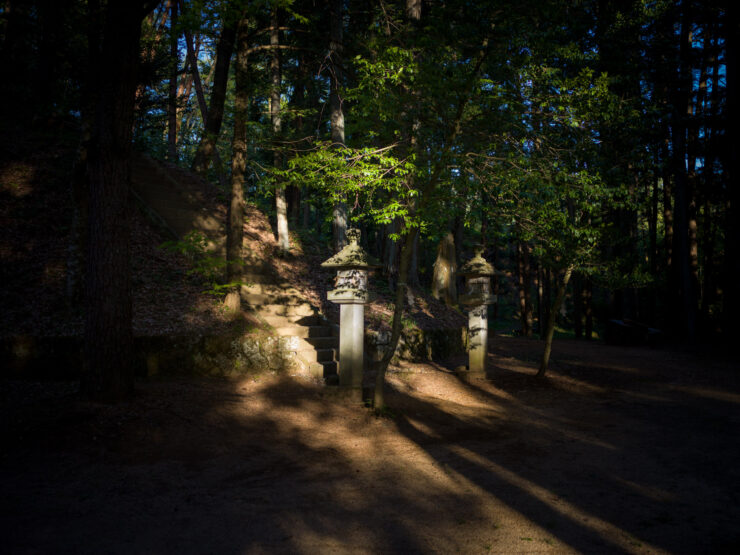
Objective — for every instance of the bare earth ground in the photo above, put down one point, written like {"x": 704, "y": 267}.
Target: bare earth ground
{"x": 620, "y": 450}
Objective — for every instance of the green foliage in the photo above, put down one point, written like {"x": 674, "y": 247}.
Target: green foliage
{"x": 206, "y": 267}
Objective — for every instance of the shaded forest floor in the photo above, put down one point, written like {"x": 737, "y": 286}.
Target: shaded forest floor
{"x": 620, "y": 450}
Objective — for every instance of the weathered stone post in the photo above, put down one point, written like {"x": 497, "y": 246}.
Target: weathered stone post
{"x": 352, "y": 264}
{"x": 477, "y": 273}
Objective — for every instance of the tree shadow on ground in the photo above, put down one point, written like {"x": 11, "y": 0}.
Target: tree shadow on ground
{"x": 203, "y": 466}
{"x": 609, "y": 457}
{"x": 604, "y": 459}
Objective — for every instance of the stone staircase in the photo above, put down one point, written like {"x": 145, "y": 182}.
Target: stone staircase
{"x": 175, "y": 200}
{"x": 314, "y": 340}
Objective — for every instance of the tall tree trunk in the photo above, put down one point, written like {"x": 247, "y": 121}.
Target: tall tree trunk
{"x": 525, "y": 304}
{"x": 696, "y": 113}
{"x": 235, "y": 229}
{"x": 546, "y": 299}
{"x": 710, "y": 226}
{"x": 379, "y": 394}
{"x": 588, "y": 309}
{"x": 172, "y": 100}
{"x": 52, "y": 18}
{"x": 281, "y": 205}
{"x": 108, "y": 337}
{"x": 297, "y": 102}
{"x": 550, "y": 332}
{"x": 212, "y": 123}
{"x": 193, "y": 61}
{"x": 540, "y": 300}
{"x": 528, "y": 316}
{"x": 681, "y": 185}
{"x": 185, "y": 88}
{"x": 731, "y": 270}
{"x": 339, "y": 225}
{"x": 668, "y": 240}
{"x": 653, "y": 246}
{"x": 578, "y": 306}
{"x": 414, "y": 265}
{"x": 390, "y": 252}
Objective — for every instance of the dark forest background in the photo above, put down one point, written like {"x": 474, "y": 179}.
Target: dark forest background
{"x": 587, "y": 144}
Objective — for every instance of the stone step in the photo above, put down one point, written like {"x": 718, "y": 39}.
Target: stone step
{"x": 304, "y": 331}
{"x": 322, "y": 370}
{"x": 317, "y": 355}
{"x": 317, "y": 343}
{"x": 261, "y": 299}
{"x": 287, "y": 310}
{"x": 281, "y": 321}
{"x": 279, "y": 290}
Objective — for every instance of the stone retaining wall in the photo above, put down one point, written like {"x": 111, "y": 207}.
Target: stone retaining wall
{"x": 219, "y": 355}
{"x": 417, "y": 344}
{"x": 216, "y": 355}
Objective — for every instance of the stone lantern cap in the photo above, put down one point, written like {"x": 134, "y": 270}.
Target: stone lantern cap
{"x": 353, "y": 256}
{"x": 352, "y": 264}
{"x": 477, "y": 266}
{"x": 477, "y": 272}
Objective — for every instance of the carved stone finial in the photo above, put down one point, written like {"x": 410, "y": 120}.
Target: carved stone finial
{"x": 478, "y": 250}
{"x": 353, "y": 235}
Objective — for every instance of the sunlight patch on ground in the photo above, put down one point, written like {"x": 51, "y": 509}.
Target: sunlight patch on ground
{"x": 596, "y": 367}
{"x": 651, "y": 492}
{"x": 610, "y": 534}
{"x": 16, "y": 179}
{"x": 707, "y": 393}
{"x": 581, "y": 385}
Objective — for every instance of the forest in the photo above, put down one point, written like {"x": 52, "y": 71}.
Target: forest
{"x": 585, "y": 144}
{"x": 176, "y": 178}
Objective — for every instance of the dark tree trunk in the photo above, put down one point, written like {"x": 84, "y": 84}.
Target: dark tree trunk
{"x": 687, "y": 321}
{"x": 653, "y": 248}
{"x": 339, "y": 226}
{"x": 390, "y": 252}
{"x": 212, "y": 124}
{"x": 53, "y": 13}
{"x": 523, "y": 286}
{"x": 731, "y": 271}
{"x": 108, "y": 341}
{"x": 235, "y": 229}
{"x": 546, "y": 299}
{"x": 578, "y": 306}
{"x": 710, "y": 223}
{"x": 281, "y": 205}
{"x": 671, "y": 295}
{"x": 413, "y": 280}
{"x": 528, "y": 316}
{"x": 550, "y": 331}
{"x": 588, "y": 309}
{"x": 172, "y": 100}
{"x": 540, "y": 293}
{"x": 495, "y": 282}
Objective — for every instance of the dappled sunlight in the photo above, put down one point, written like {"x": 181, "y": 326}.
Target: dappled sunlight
{"x": 581, "y": 386}
{"x": 707, "y": 393}
{"x": 510, "y": 464}
{"x": 648, "y": 491}
{"x": 607, "y": 532}
{"x": 16, "y": 179}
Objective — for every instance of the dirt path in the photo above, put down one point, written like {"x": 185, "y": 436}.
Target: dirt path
{"x": 621, "y": 450}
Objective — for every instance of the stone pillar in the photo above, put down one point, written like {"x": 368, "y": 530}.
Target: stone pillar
{"x": 477, "y": 338}
{"x": 352, "y": 264}
{"x": 351, "y": 344}
{"x": 478, "y": 296}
